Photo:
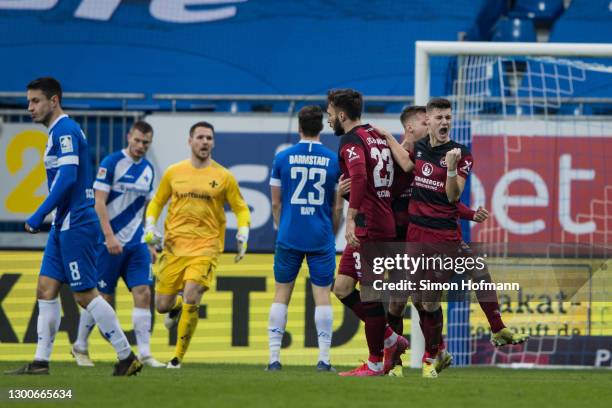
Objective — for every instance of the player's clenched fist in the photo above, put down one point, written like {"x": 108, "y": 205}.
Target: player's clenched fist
{"x": 481, "y": 215}
{"x": 452, "y": 158}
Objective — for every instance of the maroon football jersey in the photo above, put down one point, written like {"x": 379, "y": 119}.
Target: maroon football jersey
{"x": 365, "y": 157}
{"x": 429, "y": 206}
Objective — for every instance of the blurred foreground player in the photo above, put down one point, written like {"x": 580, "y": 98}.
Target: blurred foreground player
{"x": 303, "y": 187}
{"x": 123, "y": 188}
{"x": 365, "y": 158}
{"x": 70, "y": 254}
{"x": 194, "y": 232}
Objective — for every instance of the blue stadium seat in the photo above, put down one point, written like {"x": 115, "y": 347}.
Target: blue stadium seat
{"x": 514, "y": 30}
{"x": 545, "y": 10}
{"x": 588, "y": 21}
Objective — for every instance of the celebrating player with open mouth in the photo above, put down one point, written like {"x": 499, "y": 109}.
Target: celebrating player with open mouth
{"x": 440, "y": 168}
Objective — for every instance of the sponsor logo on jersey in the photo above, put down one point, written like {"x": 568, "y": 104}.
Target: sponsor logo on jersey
{"x": 466, "y": 167}
{"x": 352, "y": 154}
{"x": 66, "y": 144}
{"x": 427, "y": 169}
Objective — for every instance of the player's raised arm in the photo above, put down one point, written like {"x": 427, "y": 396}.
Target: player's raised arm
{"x": 156, "y": 206}
{"x": 457, "y": 170}
{"x": 243, "y": 214}
{"x": 400, "y": 154}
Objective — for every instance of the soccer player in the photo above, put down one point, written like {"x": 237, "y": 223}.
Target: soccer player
{"x": 307, "y": 213}
{"x": 414, "y": 121}
{"x": 364, "y": 158}
{"x": 194, "y": 232}
{"x": 70, "y": 254}
{"x": 441, "y": 167}
{"x": 123, "y": 187}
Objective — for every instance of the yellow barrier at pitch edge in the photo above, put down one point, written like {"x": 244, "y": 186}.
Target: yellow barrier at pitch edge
{"x": 232, "y": 329}
{"x": 234, "y": 317}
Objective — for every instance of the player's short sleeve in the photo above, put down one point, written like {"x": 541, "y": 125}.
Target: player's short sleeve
{"x": 67, "y": 141}
{"x": 275, "y": 175}
{"x": 105, "y": 175}
{"x": 466, "y": 164}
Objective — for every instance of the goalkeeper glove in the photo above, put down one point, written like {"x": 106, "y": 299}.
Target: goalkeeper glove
{"x": 151, "y": 236}
{"x": 241, "y": 238}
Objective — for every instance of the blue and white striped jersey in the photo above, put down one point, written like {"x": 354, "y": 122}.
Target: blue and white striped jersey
{"x": 66, "y": 146}
{"x": 130, "y": 186}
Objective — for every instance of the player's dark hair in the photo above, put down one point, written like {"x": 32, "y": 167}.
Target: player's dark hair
{"x": 143, "y": 127}
{"x": 203, "y": 124}
{"x": 347, "y": 100}
{"x": 310, "y": 119}
{"x": 410, "y": 112}
{"x": 49, "y": 86}
{"x": 438, "y": 103}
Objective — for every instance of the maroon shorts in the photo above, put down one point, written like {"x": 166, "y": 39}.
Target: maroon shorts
{"x": 424, "y": 235}
{"x": 350, "y": 263}
{"x": 358, "y": 263}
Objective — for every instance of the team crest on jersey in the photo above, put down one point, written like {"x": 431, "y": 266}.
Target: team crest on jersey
{"x": 213, "y": 184}
{"x": 101, "y": 173}
{"x": 427, "y": 169}
{"x": 66, "y": 144}
{"x": 443, "y": 162}
{"x": 352, "y": 154}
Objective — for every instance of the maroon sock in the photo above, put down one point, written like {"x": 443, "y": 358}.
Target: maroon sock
{"x": 491, "y": 310}
{"x": 433, "y": 323}
{"x": 353, "y": 302}
{"x": 396, "y": 323}
{"x": 489, "y": 304}
{"x": 375, "y": 323}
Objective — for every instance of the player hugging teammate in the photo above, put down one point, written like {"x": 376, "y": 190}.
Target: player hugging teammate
{"x": 370, "y": 175}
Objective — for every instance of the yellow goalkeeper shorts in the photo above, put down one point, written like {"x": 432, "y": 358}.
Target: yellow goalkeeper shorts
{"x": 172, "y": 272}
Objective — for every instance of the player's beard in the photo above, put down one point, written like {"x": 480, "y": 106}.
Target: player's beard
{"x": 338, "y": 130}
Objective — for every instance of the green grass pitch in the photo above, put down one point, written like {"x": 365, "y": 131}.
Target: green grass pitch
{"x": 214, "y": 385}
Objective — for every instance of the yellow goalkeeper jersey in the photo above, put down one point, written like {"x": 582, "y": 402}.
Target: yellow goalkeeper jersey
{"x": 195, "y": 224}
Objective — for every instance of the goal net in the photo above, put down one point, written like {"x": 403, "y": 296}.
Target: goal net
{"x": 540, "y": 129}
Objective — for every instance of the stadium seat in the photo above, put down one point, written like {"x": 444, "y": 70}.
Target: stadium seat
{"x": 543, "y": 10}
{"x": 514, "y": 30}
{"x": 588, "y": 21}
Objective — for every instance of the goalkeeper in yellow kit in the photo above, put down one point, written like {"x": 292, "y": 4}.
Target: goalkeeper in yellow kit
{"x": 194, "y": 232}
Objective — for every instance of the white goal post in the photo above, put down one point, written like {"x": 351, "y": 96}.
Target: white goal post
{"x": 422, "y": 81}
